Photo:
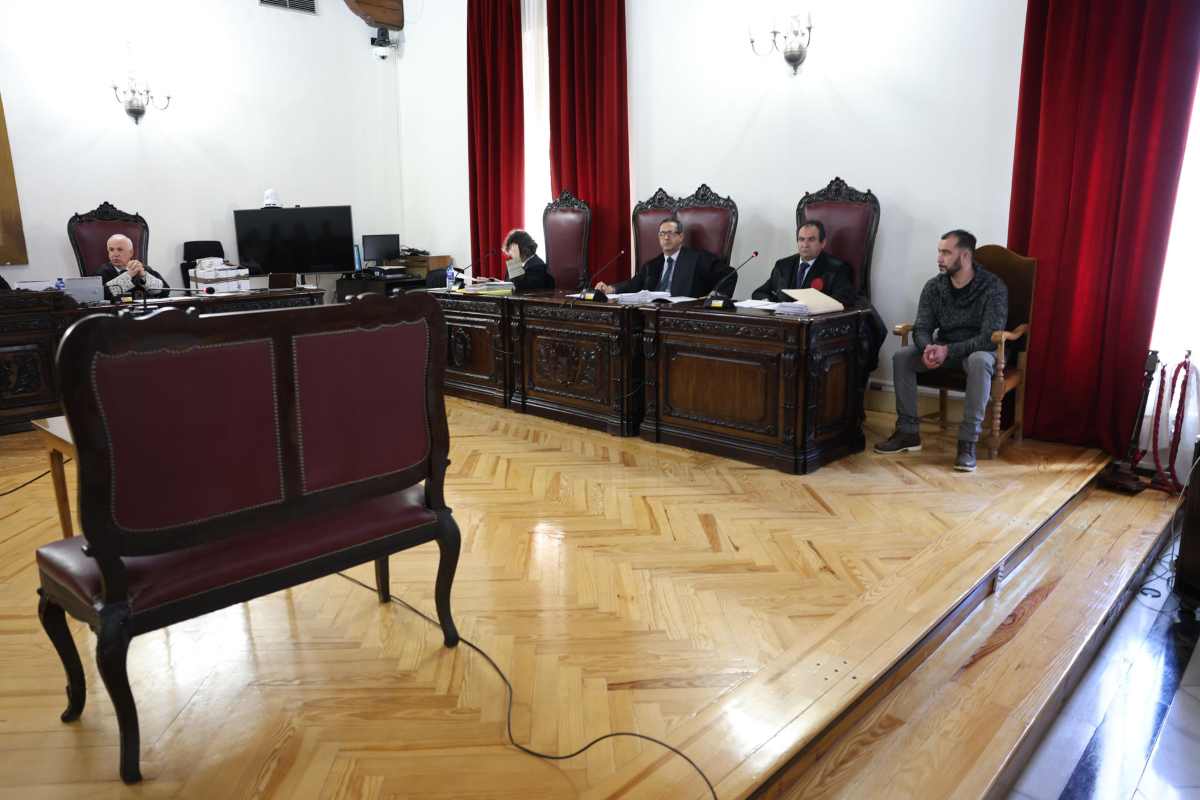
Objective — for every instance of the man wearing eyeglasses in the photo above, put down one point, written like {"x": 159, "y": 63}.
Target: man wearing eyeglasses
{"x": 680, "y": 270}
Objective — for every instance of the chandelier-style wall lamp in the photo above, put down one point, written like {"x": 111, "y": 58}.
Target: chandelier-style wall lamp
{"x": 137, "y": 98}
{"x": 792, "y": 42}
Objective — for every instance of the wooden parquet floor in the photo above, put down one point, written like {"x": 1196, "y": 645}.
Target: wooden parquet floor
{"x": 730, "y": 610}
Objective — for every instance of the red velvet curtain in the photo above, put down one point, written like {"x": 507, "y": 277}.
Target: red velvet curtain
{"x": 1106, "y": 95}
{"x": 589, "y": 121}
{"x": 495, "y": 128}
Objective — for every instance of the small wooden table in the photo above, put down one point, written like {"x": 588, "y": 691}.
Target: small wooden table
{"x": 57, "y": 438}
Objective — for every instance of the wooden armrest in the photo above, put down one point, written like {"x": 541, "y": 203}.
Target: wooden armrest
{"x": 902, "y": 329}
{"x": 1008, "y": 336}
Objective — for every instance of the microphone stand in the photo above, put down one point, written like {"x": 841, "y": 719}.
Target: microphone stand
{"x": 597, "y": 295}
{"x": 712, "y": 300}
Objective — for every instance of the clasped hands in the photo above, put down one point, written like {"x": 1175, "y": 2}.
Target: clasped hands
{"x": 935, "y": 355}
{"x": 604, "y": 287}
{"x": 135, "y": 268}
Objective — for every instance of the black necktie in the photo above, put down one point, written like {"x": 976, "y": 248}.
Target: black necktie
{"x": 664, "y": 283}
{"x": 801, "y": 271}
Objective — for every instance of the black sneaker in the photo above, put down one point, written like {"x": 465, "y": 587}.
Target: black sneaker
{"x": 965, "y": 462}
{"x": 900, "y": 442}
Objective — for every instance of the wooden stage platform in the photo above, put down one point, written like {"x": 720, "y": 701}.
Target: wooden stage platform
{"x": 766, "y": 624}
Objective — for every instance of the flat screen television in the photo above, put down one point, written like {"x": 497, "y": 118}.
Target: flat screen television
{"x": 313, "y": 239}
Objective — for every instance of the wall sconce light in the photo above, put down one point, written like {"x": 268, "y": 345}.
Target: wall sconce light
{"x": 793, "y": 43}
{"x": 137, "y": 99}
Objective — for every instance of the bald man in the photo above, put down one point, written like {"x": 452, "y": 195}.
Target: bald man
{"x": 121, "y": 272}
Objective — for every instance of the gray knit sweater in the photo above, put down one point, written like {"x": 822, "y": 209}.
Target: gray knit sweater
{"x": 964, "y": 319}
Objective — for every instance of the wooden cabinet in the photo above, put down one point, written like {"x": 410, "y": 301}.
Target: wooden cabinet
{"x": 772, "y": 390}
{"x": 30, "y": 326}
{"x": 577, "y": 362}
{"x": 477, "y": 359}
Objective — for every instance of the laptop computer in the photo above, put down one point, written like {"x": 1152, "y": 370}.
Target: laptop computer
{"x": 86, "y": 290}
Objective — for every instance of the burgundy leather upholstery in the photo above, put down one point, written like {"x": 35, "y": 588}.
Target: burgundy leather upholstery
{"x": 709, "y": 222}
{"x": 339, "y": 375}
{"x": 144, "y": 403}
{"x": 89, "y": 233}
{"x": 158, "y": 579}
{"x": 846, "y": 227}
{"x": 851, "y": 220}
{"x": 566, "y": 227}
{"x": 709, "y": 228}
{"x": 645, "y": 233}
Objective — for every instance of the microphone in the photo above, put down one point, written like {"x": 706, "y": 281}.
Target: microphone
{"x": 712, "y": 301}
{"x": 205, "y": 290}
{"x": 141, "y": 290}
{"x": 595, "y": 295}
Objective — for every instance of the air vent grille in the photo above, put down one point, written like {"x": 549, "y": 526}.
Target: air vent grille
{"x": 307, "y": 6}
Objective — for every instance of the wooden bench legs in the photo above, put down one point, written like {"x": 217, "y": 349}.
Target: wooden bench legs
{"x": 54, "y": 622}
{"x": 449, "y": 542}
{"x": 112, "y": 645}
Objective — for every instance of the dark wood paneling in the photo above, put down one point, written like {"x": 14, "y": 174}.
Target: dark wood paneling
{"x": 577, "y": 362}
{"x": 477, "y": 358}
{"x": 732, "y": 383}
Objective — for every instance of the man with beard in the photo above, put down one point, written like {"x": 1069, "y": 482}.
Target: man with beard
{"x": 957, "y": 314}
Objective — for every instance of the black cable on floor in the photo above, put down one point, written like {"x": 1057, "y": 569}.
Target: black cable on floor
{"x": 509, "y": 687}
{"x": 26, "y": 483}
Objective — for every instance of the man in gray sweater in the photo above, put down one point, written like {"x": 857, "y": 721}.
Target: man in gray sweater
{"x": 958, "y": 312}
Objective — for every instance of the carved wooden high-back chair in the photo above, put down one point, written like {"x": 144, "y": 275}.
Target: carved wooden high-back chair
{"x": 851, "y": 220}
{"x": 566, "y": 226}
{"x": 89, "y": 234}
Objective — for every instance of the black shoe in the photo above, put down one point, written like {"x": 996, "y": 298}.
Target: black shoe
{"x": 900, "y": 442}
{"x": 965, "y": 462}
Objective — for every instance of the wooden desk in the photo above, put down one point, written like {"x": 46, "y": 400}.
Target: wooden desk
{"x": 577, "y": 362}
{"x": 477, "y": 362}
{"x": 772, "y": 390}
{"x": 31, "y": 323}
{"x": 56, "y": 436}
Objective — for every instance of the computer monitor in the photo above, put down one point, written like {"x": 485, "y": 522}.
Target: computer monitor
{"x": 311, "y": 239}
{"x": 381, "y": 247}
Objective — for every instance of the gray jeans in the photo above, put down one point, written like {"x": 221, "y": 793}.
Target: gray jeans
{"x": 979, "y": 366}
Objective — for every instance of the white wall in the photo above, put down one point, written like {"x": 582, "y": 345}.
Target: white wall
{"x": 263, "y": 97}
{"x": 434, "y": 179}
{"x": 916, "y": 101}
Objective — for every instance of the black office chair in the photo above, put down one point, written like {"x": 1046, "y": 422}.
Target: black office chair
{"x": 193, "y": 252}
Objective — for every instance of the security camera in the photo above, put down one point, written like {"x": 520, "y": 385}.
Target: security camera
{"x": 382, "y": 44}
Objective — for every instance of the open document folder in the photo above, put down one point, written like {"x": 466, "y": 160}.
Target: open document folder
{"x": 817, "y": 301}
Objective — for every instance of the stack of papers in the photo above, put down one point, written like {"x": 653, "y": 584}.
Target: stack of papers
{"x": 489, "y": 287}
{"x": 765, "y": 305}
{"x": 805, "y": 302}
{"x": 643, "y": 297}
{"x": 793, "y": 309}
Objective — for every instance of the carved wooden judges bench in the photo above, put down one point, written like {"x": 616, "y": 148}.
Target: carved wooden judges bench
{"x": 777, "y": 391}
{"x": 31, "y": 324}
{"x": 784, "y": 392}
